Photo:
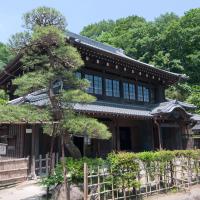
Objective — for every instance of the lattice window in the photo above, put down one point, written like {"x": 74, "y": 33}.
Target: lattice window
{"x": 146, "y": 94}
{"x": 109, "y": 90}
{"x": 140, "y": 93}
{"x": 116, "y": 92}
{"x": 97, "y": 85}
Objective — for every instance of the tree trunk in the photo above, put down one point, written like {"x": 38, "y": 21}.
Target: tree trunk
{"x": 52, "y": 148}
{"x": 51, "y": 157}
{"x": 65, "y": 183}
{"x": 71, "y": 147}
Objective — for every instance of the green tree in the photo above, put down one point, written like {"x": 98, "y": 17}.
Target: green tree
{"x": 180, "y": 92}
{"x": 169, "y": 42}
{"x": 95, "y": 30}
{"x": 48, "y": 59}
{"x": 194, "y": 97}
{"x": 5, "y": 55}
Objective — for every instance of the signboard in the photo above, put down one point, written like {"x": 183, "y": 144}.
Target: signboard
{"x": 28, "y": 130}
{"x": 3, "y": 149}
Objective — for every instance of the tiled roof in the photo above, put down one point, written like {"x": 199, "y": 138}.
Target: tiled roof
{"x": 89, "y": 42}
{"x": 113, "y": 108}
{"x": 116, "y": 51}
{"x": 168, "y": 106}
{"x": 40, "y": 98}
{"x": 196, "y": 128}
{"x": 196, "y": 117}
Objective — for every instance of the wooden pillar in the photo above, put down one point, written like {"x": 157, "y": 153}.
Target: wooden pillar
{"x": 37, "y": 135}
{"x": 159, "y": 135}
{"x": 33, "y": 175}
{"x": 117, "y": 136}
{"x": 180, "y": 135}
{"x": 112, "y": 130}
{"x": 160, "y": 138}
{"x": 84, "y": 145}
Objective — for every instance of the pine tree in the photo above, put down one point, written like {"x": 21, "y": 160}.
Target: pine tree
{"x": 47, "y": 58}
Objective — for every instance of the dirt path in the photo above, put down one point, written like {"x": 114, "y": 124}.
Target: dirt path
{"x": 29, "y": 190}
{"x": 192, "y": 194}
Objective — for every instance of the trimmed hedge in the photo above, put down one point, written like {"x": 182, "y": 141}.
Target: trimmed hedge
{"x": 124, "y": 166}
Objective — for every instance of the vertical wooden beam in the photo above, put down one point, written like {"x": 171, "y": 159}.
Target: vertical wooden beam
{"x": 117, "y": 135}
{"x": 85, "y": 181}
{"x": 37, "y": 132}
{"x": 84, "y": 145}
{"x": 159, "y": 134}
{"x": 160, "y": 138}
{"x": 181, "y": 130}
{"x": 23, "y": 129}
{"x": 33, "y": 175}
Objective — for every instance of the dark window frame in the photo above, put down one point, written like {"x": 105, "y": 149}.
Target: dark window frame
{"x": 146, "y": 96}
{"x": 140, "y": 93}
{"x": 127, "y": 94}
{"x": 93, "y": 89}
{"x": 112, "y": 87}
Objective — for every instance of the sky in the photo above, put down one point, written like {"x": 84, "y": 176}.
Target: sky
{"x": 80, "y": 13}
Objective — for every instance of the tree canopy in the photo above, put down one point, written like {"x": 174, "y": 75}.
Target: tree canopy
{"x": 169, "y": 42}
{"x": 48, "y": 58}
{"x": 5, "y": 55}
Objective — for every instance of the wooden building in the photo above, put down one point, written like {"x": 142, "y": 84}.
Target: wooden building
{"x": 130, "y": 101}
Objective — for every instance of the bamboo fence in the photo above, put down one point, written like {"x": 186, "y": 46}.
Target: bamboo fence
{"x": 13, "y": 170}
{"x": 178, "y": 174}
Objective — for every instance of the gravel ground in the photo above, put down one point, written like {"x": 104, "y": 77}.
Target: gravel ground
{"x": 192, "y": 194}
{"x": 29, "y": 190}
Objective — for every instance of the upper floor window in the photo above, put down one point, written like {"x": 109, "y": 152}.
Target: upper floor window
{"x": 90, "y": 89}
{"x": 129, "y": 91}
{"x": 140, "y": 93}
{"x": 112, "y": 88}
{"x": 143, "y": 93}
{"x": 146, "y": 94}
{"x": 95, "y": 84}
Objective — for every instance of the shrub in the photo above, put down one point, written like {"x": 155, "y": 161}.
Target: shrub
{"x": 125, "y": 168}
{"x": 75, "y": 171}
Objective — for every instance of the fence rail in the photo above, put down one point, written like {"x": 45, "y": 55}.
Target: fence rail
{"x": 99, "y": 182}
{"x": 43, "y": 164}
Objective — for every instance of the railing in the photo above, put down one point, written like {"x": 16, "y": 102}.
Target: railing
{"x": 43, "y": 164}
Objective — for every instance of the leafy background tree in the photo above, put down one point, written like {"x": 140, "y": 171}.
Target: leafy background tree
{"x": 5, "y": 55}
{"x": 169, "y": 42}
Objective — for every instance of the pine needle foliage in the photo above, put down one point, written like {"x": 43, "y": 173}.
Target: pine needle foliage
{"x": 49, "y": 59}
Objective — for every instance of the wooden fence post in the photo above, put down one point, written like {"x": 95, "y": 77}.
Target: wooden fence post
{"x": 47, "y": 164}
{"x": 57, "y": 158}
{"x": 40, "y": 165}
{"x": 85, "y": 181}
{"x": 53, "y": 162}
